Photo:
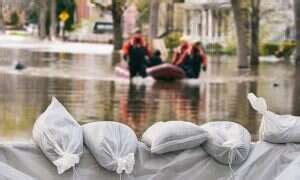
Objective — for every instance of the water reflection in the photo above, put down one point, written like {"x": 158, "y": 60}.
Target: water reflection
{"x": 86, "y": 85}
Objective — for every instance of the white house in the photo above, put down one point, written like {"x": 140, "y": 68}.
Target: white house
{"x": 205, "y": 20}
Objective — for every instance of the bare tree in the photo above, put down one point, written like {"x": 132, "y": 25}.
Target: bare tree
{"x": 241, "y": 22}
{"x": 117, "y": 13}
{"x": 43, "y": 8}
{"x": 297, "y": 23}
{"x": 53, "y": 26}
{"x": 255, "y": 26}
{"x": 2, "y": 26}
{"x": 153, "y": 21}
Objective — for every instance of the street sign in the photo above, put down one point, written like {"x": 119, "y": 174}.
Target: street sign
{"x": 64, "y": 16}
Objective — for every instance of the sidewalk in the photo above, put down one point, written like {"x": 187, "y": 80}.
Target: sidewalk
{"x": 36, "y": 45}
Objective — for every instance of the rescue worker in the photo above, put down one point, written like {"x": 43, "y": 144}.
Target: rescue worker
{"x": 136, "y": 53}
{"x": 197, "y": 60}
{"x": 190, "y": 58}
{"x": 181, "y": 52}
{"x": 155, "y": 59}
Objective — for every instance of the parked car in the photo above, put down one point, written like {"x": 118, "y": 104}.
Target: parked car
{"x": 103, "y": 28}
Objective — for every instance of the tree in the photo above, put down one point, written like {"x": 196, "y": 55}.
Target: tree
{"x": 117, "y": 13}
{"x": 240, "y": 13}
{"x": 154, "y": 21}
{"x": 43, "y": 8}
{"x": 255, "y": 29}
{"x": 2, "y": 27}
{"x": 53, "y": 16}
{"x": 297, "y": 23}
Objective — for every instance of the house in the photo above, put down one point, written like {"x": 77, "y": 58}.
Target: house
{"x": 205, "y": 20}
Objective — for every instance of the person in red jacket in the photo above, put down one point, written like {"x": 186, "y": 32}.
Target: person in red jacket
{"x": 136, "y": 52}
{"x": 181, "y": 52}
{"x": 191, "y": 58}
{"x": 197, "y": 60}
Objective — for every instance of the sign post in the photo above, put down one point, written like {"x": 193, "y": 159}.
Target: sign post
{"x": 63, "y": 17}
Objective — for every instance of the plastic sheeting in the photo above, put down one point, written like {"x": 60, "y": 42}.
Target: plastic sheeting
{"x": 266, "y": 161}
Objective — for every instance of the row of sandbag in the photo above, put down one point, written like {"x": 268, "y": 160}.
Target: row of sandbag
{"x": 114, "y": 144}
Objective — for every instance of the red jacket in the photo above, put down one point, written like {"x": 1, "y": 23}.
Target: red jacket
{"x": 180, "y": 55}
{"x": 135, "y": 40}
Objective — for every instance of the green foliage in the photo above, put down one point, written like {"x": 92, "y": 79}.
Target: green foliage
{"x": 269, "y": 49}
{"x": 214, "y": 48}
{"x": 229, "y": 50}
{"x": 172, "y": 40}
{"x": 144, "y": 10}
{"x": 14, "y": 19}
{"x": 286, "y": 49}
{"x": 32, "y": 16}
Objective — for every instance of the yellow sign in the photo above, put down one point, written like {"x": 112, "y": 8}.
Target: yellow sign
{"x": 63, "y": 16}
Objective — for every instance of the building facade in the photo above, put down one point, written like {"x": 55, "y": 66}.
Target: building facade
{"x": 206, "y": 20}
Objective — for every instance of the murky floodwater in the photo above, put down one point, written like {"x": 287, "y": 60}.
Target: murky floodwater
{"x": 87, "y": 86}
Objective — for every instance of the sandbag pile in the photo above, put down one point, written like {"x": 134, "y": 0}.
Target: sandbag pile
{"x": 114, "y": 145}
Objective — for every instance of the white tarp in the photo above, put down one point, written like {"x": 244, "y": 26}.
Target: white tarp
{"x": 266, "y": 161}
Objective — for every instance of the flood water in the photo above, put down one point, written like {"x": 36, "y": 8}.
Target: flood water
{"x": 88, "y": 87}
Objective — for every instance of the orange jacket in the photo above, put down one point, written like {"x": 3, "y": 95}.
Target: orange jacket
{"x": 180, "y": 56}
{"x": 181, "y": 53}
{"x": 132, "y": 41}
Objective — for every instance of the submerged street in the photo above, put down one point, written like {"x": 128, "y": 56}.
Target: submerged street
{"x": 87, "y": 85}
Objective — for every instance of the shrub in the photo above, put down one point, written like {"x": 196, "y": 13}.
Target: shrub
{"x": 172, "y": 40}
{"x": 269, "y": 49}
{"x": 214, "y": 48}
{"x": 14, "y": 19}
{"x": 286, "y": 49}
{"x": 229, "y": 50}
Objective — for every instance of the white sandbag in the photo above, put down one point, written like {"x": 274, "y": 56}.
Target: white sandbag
{"x": 59, "y": 136}
{"x": 163, "y": 137}
{"x": 228, "y": 142}
{"x": 112, "y": 144}
{"x": 275, "y": 128}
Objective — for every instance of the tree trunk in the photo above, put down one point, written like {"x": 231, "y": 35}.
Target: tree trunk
{"x": 255, "y": 25}
{"x": 53, "y": 26}
{"x": 117, "y": 12}
{"x": 170, "y": 19}
{"x": 42, "y": 23}
{"x": 240, "y": 18}
{"x": 2, "y": 26}
{"x": 297, "y": 23}
{"x": 153, "y": 21}
{"x": 42, "y": 4}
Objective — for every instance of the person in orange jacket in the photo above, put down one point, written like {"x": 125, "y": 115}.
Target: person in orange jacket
{"x": 191, "y": 58}
{"x": 197, "y": 60}
{"x": 136, "y": 52}
{"x": 181, "y": 52}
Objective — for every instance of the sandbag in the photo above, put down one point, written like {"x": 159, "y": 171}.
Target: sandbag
{"x": 112, "y": 144}
{"x": 163, "y": 137}
{"x": 59, "y": 136}
{"x": 275, "y": 128}
{"x": 228, "y": 142}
